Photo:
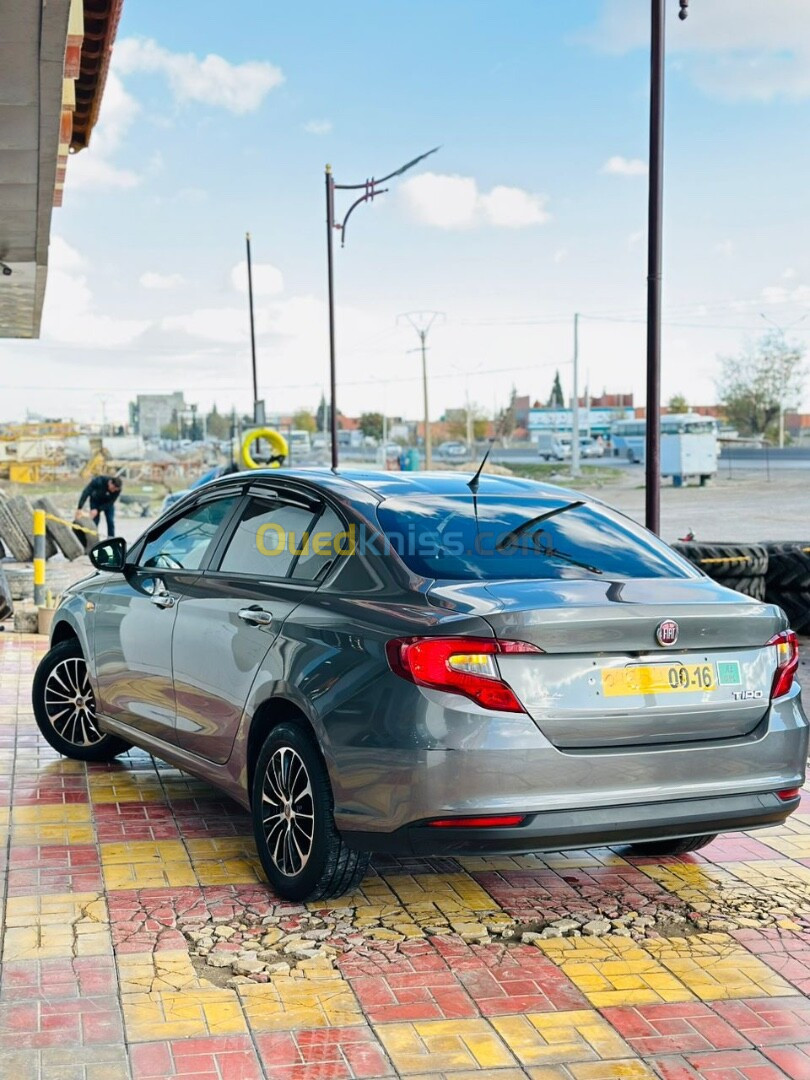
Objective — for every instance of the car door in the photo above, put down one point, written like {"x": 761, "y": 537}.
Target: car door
{"x": 136, "y": 612}
{"x": 262, "y": 570}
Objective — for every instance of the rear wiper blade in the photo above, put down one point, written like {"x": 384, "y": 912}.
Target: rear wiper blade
{"x": 509, "y": 538}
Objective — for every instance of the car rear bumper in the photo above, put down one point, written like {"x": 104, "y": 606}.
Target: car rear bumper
{"x": 556, "y": 830}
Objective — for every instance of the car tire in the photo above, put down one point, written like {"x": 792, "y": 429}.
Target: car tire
{"x": 301, "y": 851}
{"x": 65, "y": 707}
{"x": 680, "y": 846}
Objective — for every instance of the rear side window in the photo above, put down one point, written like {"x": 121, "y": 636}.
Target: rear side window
{"x": 326, "y": 539}
{"x": 495, "y": 538}
{"x": 182, "y": 545}
{"x": 267, "y": 540}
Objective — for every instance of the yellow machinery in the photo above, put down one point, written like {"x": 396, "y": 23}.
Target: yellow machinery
{"x": 278, "y": 448}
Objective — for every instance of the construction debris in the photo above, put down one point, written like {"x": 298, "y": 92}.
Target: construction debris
{"x": 61, "y": 534}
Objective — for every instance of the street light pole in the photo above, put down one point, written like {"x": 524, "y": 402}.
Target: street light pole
{"x": 655, "y": 208}
{"x": 371, "y": 189}
{"x": 575, "y": 470}
{"x": 252, "y": 329}
{"x": 422, "y": 321}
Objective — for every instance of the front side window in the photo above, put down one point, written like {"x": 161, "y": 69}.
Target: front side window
{"x": 268, "y": 539}
{"x": 182, "y": 545}
{"x": 494, "y": 538}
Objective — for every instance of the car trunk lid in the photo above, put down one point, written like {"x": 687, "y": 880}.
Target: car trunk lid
{"x": 602, "y": 679}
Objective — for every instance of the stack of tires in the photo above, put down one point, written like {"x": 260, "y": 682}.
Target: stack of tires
{"x": 776, "y": 572}
{"x": 742, "y": 567}
{"x": 787, "y": 581}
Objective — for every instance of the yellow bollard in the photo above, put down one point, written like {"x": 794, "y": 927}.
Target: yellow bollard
{"x": 39, "y": 557}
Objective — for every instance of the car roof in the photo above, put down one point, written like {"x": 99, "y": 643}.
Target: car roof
{"x": 387, "y": 485}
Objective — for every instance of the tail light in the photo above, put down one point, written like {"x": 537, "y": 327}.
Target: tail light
{"x": 489, "y": 821}
{"x": 789, "y": 794}
{"x": 787, "y": 662}
{"x": 460, "y": 666}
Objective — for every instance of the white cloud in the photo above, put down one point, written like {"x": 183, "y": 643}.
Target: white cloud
{"x": 560, "y": 255}
{"x": 635, "y": 238}
{"x": 622, "y": 166}
{"x": 778, "y": 294}
{"x": 318, "y": 127}
{"x": 732, "y": 49}
{"x": 239, "y": 88}
{"x": 788, "y": 273}
{"x": 224, "y": 325}
{"x": 92, "y": 168}
{"x": 513, "y": 208}
{"x": 69, "y": 314}
{"x": 455, "y": 202}
{"x": 725, "y": 247}
{"x": 150, "y": 279}
{"x": 267, "y": 279}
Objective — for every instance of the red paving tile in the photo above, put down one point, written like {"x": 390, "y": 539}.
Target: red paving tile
{"x": 53, "y": 869}
{"x": 786, "y": 952}
{"x": 340, "y": 1053}
{"x": 674, "y": 1029}
{"x": 218, "y": 1058}
{"x": 55, "y": 980}
{"x": 725, "y": 1065}
{"x": 768, "y": 1021}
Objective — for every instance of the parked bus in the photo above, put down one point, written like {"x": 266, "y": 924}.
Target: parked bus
{"x": 627, "y": 437}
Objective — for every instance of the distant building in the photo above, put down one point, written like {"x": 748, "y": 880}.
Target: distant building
{"x": 594, "y": 421}
{"x": 150, "y": 413}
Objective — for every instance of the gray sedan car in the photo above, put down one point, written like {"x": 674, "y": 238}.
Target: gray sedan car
{"x": 431, "y": 664}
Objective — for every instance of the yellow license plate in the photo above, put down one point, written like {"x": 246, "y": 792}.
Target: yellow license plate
{"x": 658, "y": 679}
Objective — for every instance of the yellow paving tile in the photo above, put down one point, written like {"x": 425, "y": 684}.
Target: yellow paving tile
{"x": 126, "y": 786}
{"x": 287, "y": 1003}
{"x": 444, "y": 1046}
{"x": 771, "y": 874}
{"x": 628, "y": 1069}
{"x": 614, "y": 970}
{"x": 52, "y": 814}
{"x": 56, "y": 926}
{"x": 791, "y": 839}
{"x": 716, "y": 967}
{"x": 560, "y": 1038}
{"x": 138, "y": 864}
{"x": 57, "y": 834}
{"x": 692, "y": 882}
{"x": 151, "y": 972}
{"x": 182, "y": 1014}
{"x": 230, "y": 860}
{"x": 475, "y": 1074}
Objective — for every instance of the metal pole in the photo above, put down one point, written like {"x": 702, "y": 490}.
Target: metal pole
{"x": 39, "y": 558}
{"x": 575, "y": 470}
{"x": 252, "y": 325}
{"x": 469, "y": 422}
{"x": 654, "y": 243}
{"x": 428, "y": 442}
{"x": 330, "y": 228}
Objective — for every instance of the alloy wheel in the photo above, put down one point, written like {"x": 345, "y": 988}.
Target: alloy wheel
{"x": 70, "y": 704}
{"x": 288, "y": 811}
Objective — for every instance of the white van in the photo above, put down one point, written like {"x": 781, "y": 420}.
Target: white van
{"x": 551, "y": 447}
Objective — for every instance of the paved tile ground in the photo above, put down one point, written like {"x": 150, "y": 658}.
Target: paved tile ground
{"x": 106, "y": 869}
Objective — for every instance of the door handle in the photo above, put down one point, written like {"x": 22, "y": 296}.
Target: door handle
{"x": 163, "y": 600}
{"x": 255, "y": 615}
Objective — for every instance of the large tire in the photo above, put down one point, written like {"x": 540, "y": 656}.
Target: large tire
{"x": 672, "y": 847}
{"x": 301, "y": 851}
{"x": 787, "y": 582}
{"x": 726, "y": 562}
{"x": 64, "y": 707}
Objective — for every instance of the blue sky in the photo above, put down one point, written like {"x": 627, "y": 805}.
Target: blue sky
{"x": 534, "y": 207}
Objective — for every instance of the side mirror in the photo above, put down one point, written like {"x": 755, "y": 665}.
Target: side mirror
{"x": 109, "y": 554}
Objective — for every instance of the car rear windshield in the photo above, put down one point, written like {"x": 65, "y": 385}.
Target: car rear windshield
{"x": 491, "y": 537}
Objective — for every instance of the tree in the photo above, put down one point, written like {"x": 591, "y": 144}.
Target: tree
{"x": 457, "y": 427}
{"x": 323, "y": 415}
{"x": 371, "y": 423}
{"x": 556, "y": 399}
{"x": 678, "y": 404}
{"x": 303, "y": 420}
{"x": 506, "y": 420}
{"x": 217, "y": 426}
{"x": 761, "y": 381}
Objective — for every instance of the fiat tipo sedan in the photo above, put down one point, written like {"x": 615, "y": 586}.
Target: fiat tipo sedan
{"x": 432, "y": 664}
